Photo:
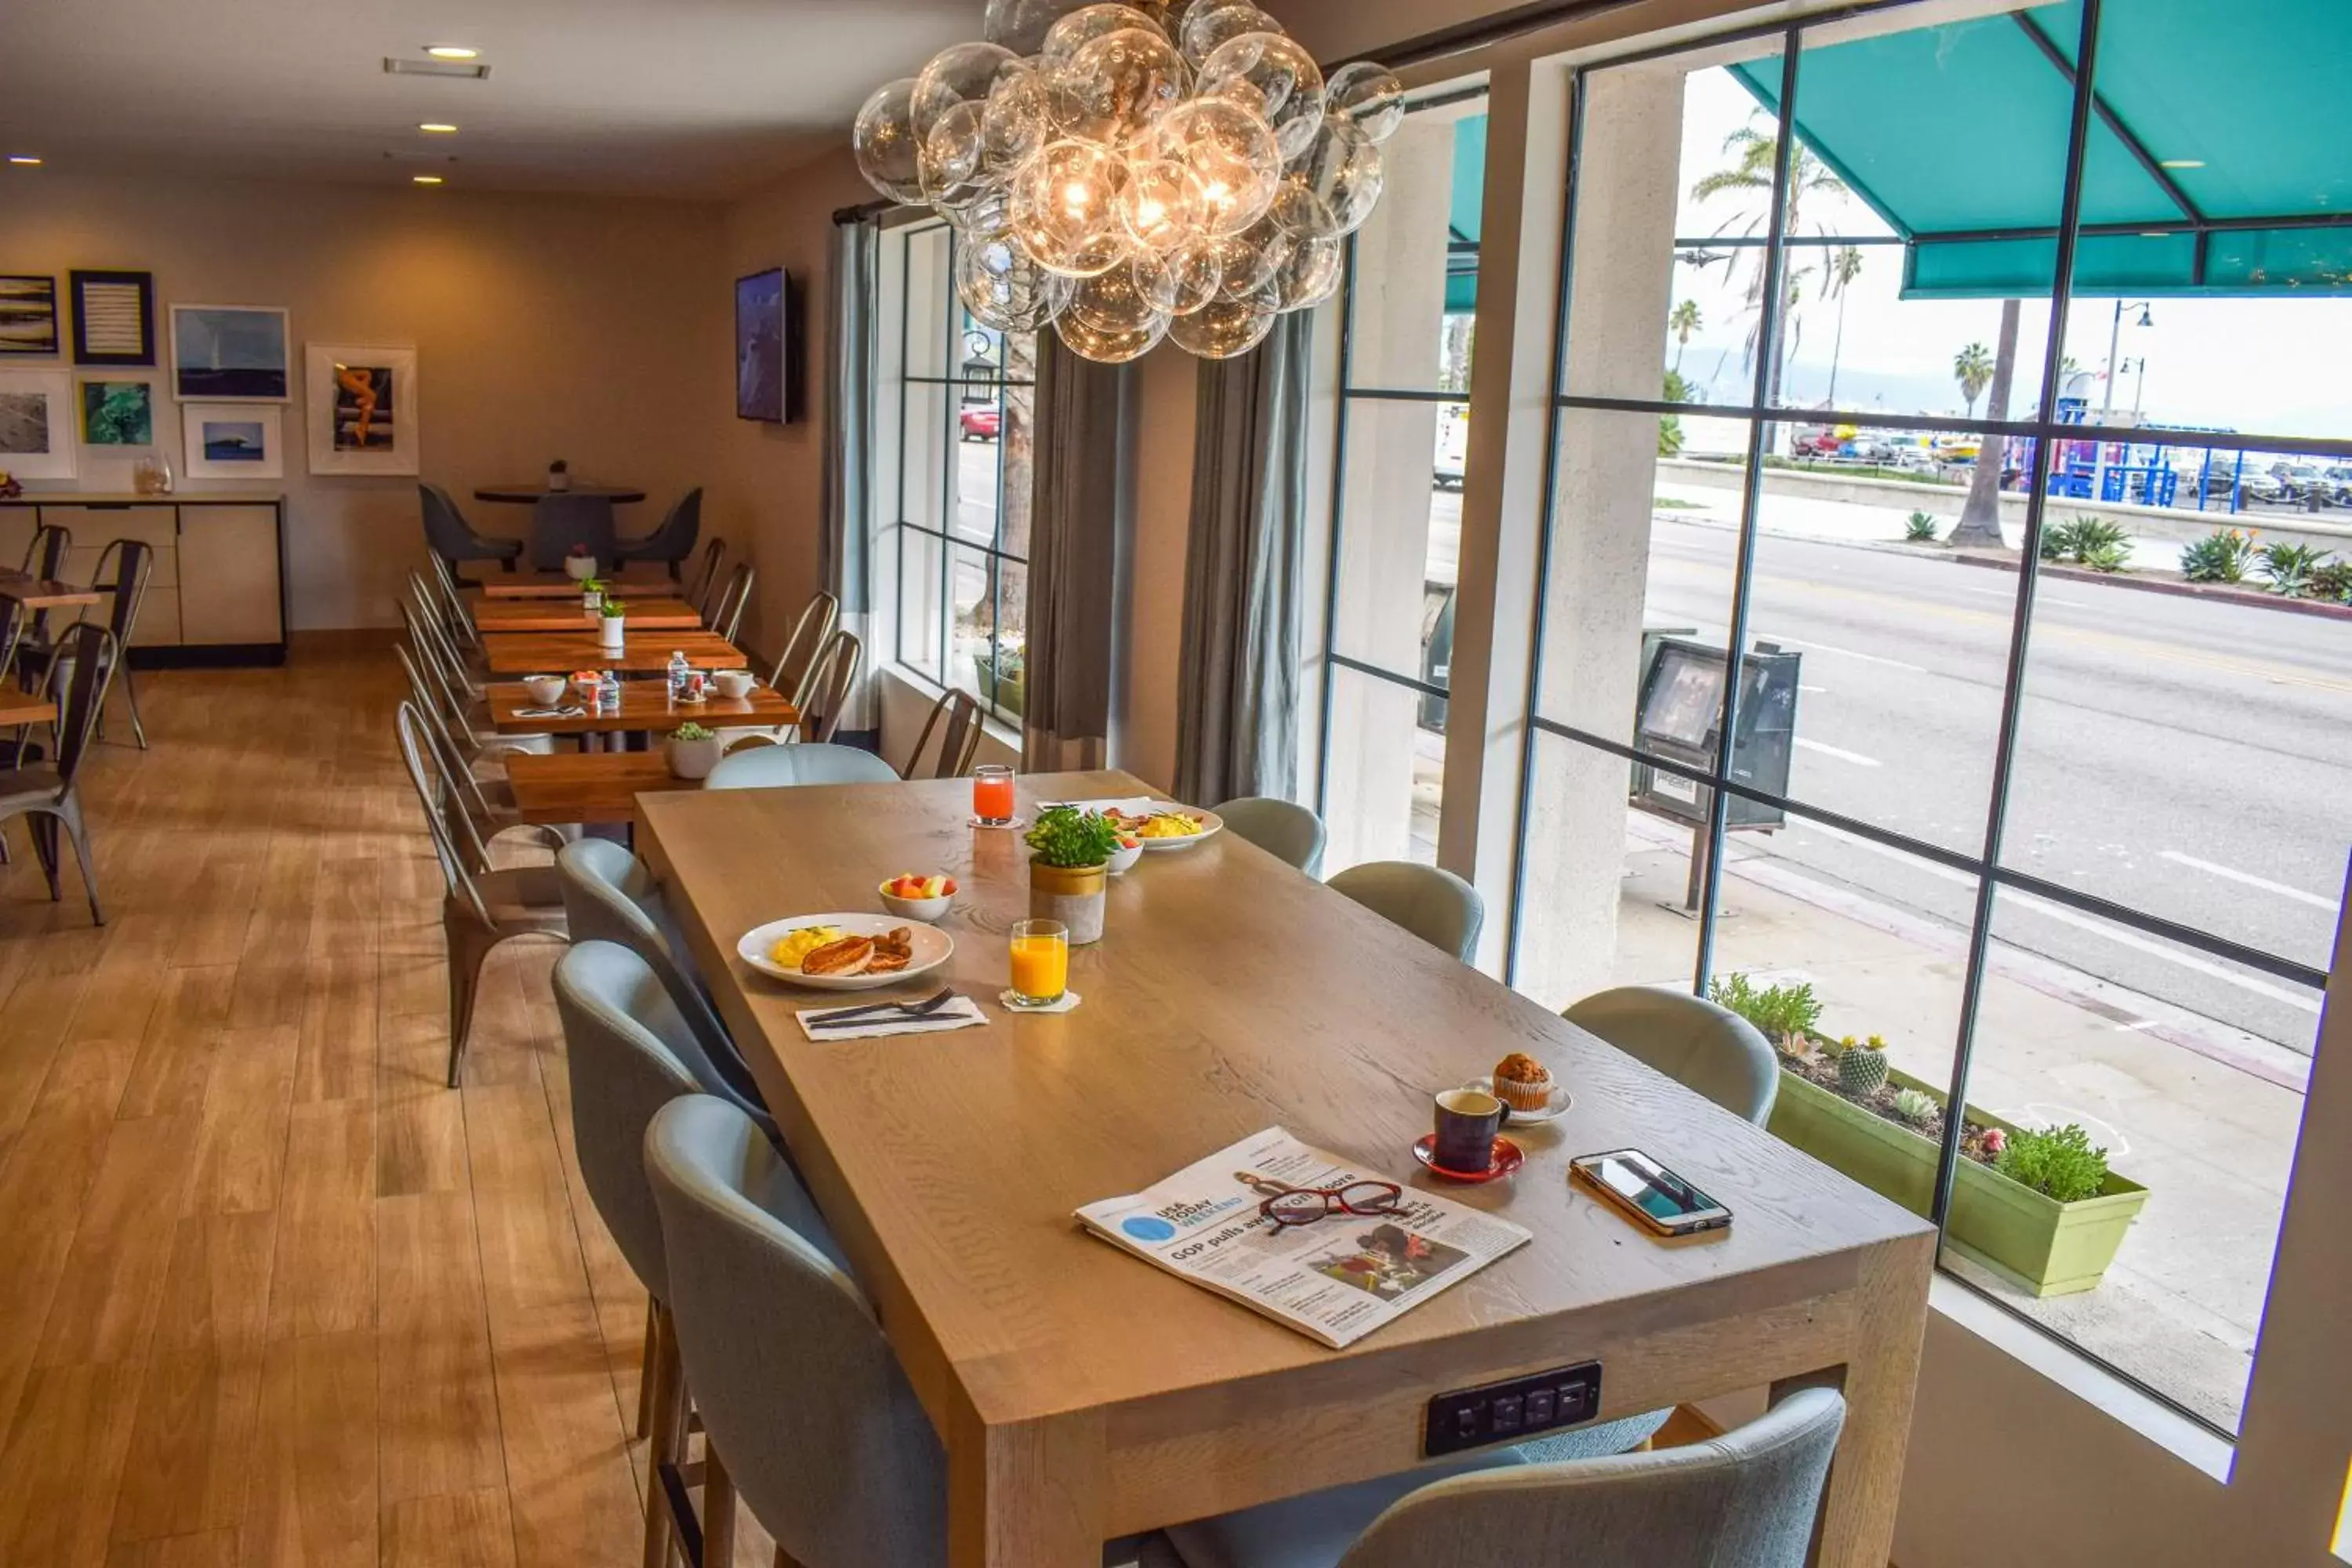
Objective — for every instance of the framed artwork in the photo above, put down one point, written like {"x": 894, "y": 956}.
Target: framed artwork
{"x": 760, "y": 328}
{"x": 232, "y": 441}
{"x": 37, "y": 414}
{"x": 28, "y": 315}
{"x": 117, "y": 413}
{"x": 114, "y": 318}
{"x": 230, "y": 354}
{"x": 361, "y": 403}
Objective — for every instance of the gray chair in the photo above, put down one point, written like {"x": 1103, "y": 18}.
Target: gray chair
{"x": 47, "y": 795}
{"x": 1435, "y": 905}
{"x": 775, "y": 767}
{"x": 1746, "y": 1500}
{"x": 1697, "y": 1043}
{"x": 609, "y": 895}
{"x": 673, "y": 542}
{"x": 1282, "y": 828}
{"x": 452, "y": 538}
{"x": 561, "y": 519}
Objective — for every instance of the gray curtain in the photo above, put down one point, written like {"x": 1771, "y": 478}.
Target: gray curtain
{"x": 847, "y": 539}
{"x": 1237, "y": 686}
{"x": 1073, "y": 526}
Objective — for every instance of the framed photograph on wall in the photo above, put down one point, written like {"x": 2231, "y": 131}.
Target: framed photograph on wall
{"x": 117, "y": 413}
{"x": 37, "y": 424}
{"x": 230, "y": 354}
{"x": 233, "y": 441}
{"x": 114, "y": 318}
{"x": 761, "y": 325}
{"x": 361, "y": 408}
{"x": 28, "y": 314}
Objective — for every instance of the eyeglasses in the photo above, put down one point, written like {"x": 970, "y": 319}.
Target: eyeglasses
{"x": 1304, "y": 1205}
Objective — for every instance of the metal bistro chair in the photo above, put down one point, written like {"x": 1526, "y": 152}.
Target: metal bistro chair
{"x": 956, "y": 715}
{"x": 437, "y": 642}
{"x": 810, "y": 762}
{"x": 704, "y": 583}
{"x": 1282, "y": 828}
{"x": 810, "y": 632}
{"x": 482, "y": 907}
{"x": 450, "y": 537}
{"x": 725, "y": 616}
{"x": 45, "y": 558}
{"x": 49, "y": 795}
{"x": 487, "y": 804}
{"x": 673, "y": 542}
{"x": 124, "y": 570}
{"x": 453, "y": 602}
{"x": 1435, "y": 905}
{"x": 828, "y": 687}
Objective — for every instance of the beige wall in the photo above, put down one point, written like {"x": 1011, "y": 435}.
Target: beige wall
{"x": 590, "y": 329}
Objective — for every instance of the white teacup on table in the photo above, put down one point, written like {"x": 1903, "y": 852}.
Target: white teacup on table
{"x": 733, "y": 684}
{"x": 545, "y": 691}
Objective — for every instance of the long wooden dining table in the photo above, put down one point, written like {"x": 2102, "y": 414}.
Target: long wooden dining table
{"x": 1082, "y": 1395}
{"x": 559, "y": 615}
{"x": 643, "y": 653}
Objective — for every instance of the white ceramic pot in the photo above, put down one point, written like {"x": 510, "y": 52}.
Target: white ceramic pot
{"x": 559, "y": 483}
{"x": 694, "y": 758}
{"x": 609, "y": 630}
{"x": 591, "y": 599}
{"x": 580, "y": 568}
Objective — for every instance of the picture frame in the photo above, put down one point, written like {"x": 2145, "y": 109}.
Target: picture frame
{"x": 762, "y": 338}
{"x": 231, "y": 354}
{"x": 113, "y": 318}
{"x": 28, "y": 314}
{"x": 37, "y": 424}
{"x": 361, "y": 405}
{"x": 115, "y": 413}
{"x": 233, "y": 440}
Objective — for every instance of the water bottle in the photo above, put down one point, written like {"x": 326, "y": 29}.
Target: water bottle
{"x": 679, "y": 670}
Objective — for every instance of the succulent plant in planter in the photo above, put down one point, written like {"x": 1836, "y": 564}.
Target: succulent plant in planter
{"x": 2059, "y": 1163}
{"x": 693, "y": 751}
{"x": 1069, "y": 868}
{"x": 611, "y": 625}
{"x": 1913, "y": 1106}
{"x": 1785, "y": 1014}
{"x": 1862, "y": 1067}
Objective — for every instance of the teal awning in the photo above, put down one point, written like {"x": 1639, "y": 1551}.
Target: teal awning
{"x": 2219, "y": 160}
{"x": 1469, "y": 194}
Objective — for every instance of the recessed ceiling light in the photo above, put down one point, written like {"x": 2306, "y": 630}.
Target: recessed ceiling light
{"x": 435, "y": 128}
{"x": 451, "y": 52}
{"x": 2183, "y": 163}
{"x": 427, "y": 179}
{"x": 25, "y": 158}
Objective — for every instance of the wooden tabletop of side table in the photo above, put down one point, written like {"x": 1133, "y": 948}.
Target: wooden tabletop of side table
{"x": 643, "y": 653}
{"x": 44, "y": 593}
{"x": 558, "y": 615}
{"x": 18, "y": 708}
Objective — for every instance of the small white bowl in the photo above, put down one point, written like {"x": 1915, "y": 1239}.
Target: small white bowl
{"x": 1125, "y": 856}
{"x": 924, "y": 910}
{"x": 545, "y": 691}
{"x": 733, "y": 684}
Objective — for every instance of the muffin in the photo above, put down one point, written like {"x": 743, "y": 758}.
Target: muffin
{"x": 1522, "y": 1082}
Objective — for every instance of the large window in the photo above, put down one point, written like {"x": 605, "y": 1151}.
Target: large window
{"x": 2072, "y": 850}
{"x": 953, "y": 418}
{"x": 1404, "y": 316}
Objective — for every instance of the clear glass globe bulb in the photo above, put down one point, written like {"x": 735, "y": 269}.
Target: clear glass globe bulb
{"x": 1310, "y": 276}
{"x": 1204, "y": 31}
{"x": 1021, "y": 26}
{"x": 1272, "y": 75}
{"x": 1224, "y": 326}
{"x": 1082, "y": 26}
{"x": 883, "y": 142}
{"x": 1004, "y": 289}
{"x": 1065, "y": 208}
{"x": 1371, "y": 95}
{"x": 1229, "y": 157}
{"x": 1108, "y": 348}
{"x": 1115, "y": 87}
{"x": 1343, "y": 169}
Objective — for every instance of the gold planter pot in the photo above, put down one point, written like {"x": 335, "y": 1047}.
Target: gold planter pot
{"x": 1072, "y": 895}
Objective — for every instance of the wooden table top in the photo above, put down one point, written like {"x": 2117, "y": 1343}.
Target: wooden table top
{"x": 634, "y": 578}
{"x": 528, "y": 493}
{"x": 558, "y": 615}
{"x": 1229, "y": 995}
{"x": 44, "y": 593}
{"x": 645, "y": 705}
{"x": 19, "y": 708}
{"x": 588, "y": 787}
{"x": 644, "y": 653}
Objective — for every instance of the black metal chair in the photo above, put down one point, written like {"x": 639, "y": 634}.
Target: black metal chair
{"x": 673, "y": 542}
{"x": 124, "y": 570}
{"x": 452, "y": 538}
{"x": 47, "y": 795}
{"x": 44, "y": 557}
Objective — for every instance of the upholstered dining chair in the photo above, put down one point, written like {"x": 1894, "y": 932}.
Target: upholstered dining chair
{"x": 123, "y": 569}
{"x": 956, "y": 717}
{"x": 1700, "y": 1044}
{"x": 449, "y": 536}
{"x": 811, "y": 631}
{"x": 482, "y": 907}
{"x": 810, "y": 762}
{"x": 673, "y": 542}
{"x": 1745, "y": 1500}
{"x": 1282, "y": 828}
{"x": 610, "y": 896}
{"x": 48, "y": 793}
{"x": 827, "y": 696}
{"x": 561, "y": 519}
{"x": 726, "y": 614}
{"x": 1434, "y": 904}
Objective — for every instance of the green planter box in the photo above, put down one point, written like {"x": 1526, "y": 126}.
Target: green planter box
{"x": 2036, "y": 1243}
{"x": 1008, "y": 695}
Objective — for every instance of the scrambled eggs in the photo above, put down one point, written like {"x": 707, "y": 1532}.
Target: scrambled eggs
{"x": 789, "y": 953}
{"x": 1169, "y": 824}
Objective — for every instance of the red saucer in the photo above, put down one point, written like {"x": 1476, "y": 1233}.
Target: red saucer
{"x": 1507, "y": 1157}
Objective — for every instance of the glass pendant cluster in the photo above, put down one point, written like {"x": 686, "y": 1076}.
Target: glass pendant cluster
{"x": 1173, "y": 169}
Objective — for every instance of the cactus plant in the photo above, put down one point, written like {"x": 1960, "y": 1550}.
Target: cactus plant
{"x": 1861, "y": 1067}
{"x": 1914, "y": 1106}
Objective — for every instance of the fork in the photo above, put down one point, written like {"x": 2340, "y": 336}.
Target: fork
{"x": 913, "y": 1010}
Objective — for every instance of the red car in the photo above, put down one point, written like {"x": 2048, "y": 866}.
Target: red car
{"x": 982, "y": 423}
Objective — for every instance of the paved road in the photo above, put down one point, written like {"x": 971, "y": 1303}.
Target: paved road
{"x": 2187, "y": 758}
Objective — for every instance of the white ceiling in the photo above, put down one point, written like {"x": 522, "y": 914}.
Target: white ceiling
{"x": 693, "y": 98}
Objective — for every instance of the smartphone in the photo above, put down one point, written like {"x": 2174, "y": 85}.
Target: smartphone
{"x": 1649, "y": 1194}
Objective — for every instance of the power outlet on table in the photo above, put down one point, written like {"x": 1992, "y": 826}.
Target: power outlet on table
{"x": 1513, "y": 1410}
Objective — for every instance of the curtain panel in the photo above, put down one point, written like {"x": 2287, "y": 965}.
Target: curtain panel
{"x": 846, "y": 540}
{"x": 1075, "y": 523}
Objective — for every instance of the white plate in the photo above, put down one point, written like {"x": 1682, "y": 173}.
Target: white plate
{"x": 933, "y": 948}
{"x": 1553, "y": 1109}
{"x": 1210, "y": 825}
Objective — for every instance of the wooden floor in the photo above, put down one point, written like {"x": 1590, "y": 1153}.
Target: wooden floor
{"x": 269, "y": 1293}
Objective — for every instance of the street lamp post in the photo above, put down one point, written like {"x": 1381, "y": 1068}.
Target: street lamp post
{"x": 2107, "y": 400}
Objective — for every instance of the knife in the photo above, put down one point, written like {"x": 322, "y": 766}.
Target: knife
{"x": 913, "y": 1010}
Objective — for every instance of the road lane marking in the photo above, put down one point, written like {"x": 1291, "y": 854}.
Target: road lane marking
{"x": 1840, "y": 754}
{"x": 2264, "y": 883}
{"x": 1845, "y": 653}
{"x": 2038, "y": 597}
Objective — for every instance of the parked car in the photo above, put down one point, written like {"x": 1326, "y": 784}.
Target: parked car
{"x": 982, "y": 423}
{"x": 1453, "y": 446}
{"x": 2339, "y": 479}
{"x": 2303, "y": 484}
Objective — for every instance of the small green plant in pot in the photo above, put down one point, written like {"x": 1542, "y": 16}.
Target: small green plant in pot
{"x": 1784, "y": 1015}
{"x": 693, "y": 751}
{"x": 1862, "y": 1066}
{"x": 612, "y": 625}
{"x": 591, "y": 593}
{"x": 1069, "y": 869}
{"x": 2059, "y": 1163}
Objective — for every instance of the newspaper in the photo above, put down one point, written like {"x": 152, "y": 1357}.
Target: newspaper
{"x": 1336, "y": 1279}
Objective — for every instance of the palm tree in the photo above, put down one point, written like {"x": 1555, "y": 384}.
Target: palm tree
{"x": 1844, "y": 267}
{"x": 1973, "y": 368}
{"x": 1755, "y": 157}
{"x": 1683, "y": 322}
{"x": 1980, "y": 521}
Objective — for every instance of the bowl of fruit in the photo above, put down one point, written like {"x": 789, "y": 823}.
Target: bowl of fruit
{"x": 1130, "y": 850}
{"x": 914, "y": 898}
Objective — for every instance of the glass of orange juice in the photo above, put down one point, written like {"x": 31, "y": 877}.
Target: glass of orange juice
{"x": 1041, "y": 962}
{"x": 992, "y": 796}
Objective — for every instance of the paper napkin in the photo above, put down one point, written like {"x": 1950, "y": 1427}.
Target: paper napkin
{"x": 960, "y": 1014}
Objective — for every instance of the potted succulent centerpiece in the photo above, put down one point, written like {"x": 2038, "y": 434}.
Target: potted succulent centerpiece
{"x": 693, "y": 751}
{"x": 612, "y": 619}
{"x": 591, "y": 593}
{"x": 1069, "y": 869}
{"x": 559, "y": 476}
{"x": 578, "y": 565}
